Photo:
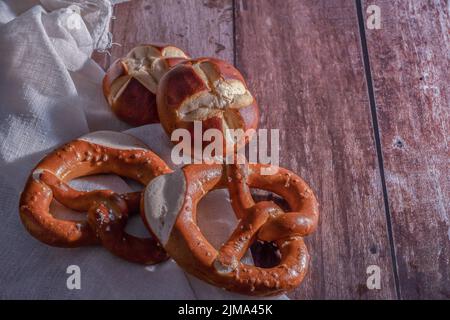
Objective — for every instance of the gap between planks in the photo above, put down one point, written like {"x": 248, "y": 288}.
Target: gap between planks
{"x": 376, "y": 132}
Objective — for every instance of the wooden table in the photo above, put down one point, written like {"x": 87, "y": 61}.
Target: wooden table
{"x": 363, "y": 117}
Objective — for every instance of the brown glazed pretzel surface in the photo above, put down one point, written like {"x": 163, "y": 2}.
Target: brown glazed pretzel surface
{"x": 264, "y": 221}
{"x": 208, "y": 90}
{"x": 107, "y": 210}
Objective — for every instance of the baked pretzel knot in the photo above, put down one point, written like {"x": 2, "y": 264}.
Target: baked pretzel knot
{"x": 173, "y": 220}
{"x": 107, "y": 211}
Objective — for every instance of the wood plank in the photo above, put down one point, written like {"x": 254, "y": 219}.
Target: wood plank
{"x": 409, "y": 58}
{"x": 303, "y": 62}
{"x": 201, "y": 28}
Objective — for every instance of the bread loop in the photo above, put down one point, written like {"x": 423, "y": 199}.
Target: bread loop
{"x": 264, "y": 220}
{"x": 100, "y": 152}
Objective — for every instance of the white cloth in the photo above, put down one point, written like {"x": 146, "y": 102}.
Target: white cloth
{"x": 50, "y": 93}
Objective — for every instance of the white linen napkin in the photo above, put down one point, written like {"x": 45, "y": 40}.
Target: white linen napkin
{"x": 50, "y": 93}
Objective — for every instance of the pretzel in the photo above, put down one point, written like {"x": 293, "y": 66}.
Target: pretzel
{"x": 107, "y": 211}
{"x": 131, "y": 82}
{"x": 208, "y": 90}
{"x": 169, "y": 211}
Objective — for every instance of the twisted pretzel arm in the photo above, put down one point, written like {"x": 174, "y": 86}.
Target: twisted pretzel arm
{"x": 240, "y": 240}
{"x": 223, "y": 267}
{"x": 84, "y": 157}
{"x": 82, "y": 200}
{"x": 240, "y": 196}
{"x": 304, "y": 215}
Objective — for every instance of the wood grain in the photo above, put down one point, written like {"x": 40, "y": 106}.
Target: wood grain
{"x": 302, "y": 60}
{"x": 304, "y": 63}
{"x": 409, "y": 57}
{"x": 201, "y": 28}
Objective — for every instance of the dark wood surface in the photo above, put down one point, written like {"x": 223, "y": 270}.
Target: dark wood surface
{"x": 410, "y": 69}
{"x": 375, "y": 151}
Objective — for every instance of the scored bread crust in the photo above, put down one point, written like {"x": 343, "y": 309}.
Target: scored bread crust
{"x": 208, "y": 90}
{"x": 131, "y": 82}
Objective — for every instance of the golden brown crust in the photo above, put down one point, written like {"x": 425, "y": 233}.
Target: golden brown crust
{"x": 208, "y": 90}
{"x": 107, "y": 210}
{"x": 263, "y": 220}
